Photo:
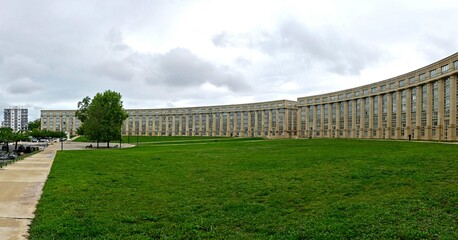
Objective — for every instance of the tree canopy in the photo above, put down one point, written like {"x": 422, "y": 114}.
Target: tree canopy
{"x": 7, "y": 135}
{"x": 34, "y": 125}
{"x": 102, "y": 117}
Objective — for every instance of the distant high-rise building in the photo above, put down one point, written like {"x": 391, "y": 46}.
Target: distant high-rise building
{"x": 16, "y": 118}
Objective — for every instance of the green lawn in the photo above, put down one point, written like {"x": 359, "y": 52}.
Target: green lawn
{"x": 244, "y": 189}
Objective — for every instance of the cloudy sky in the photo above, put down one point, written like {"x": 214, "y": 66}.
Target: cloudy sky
{"x": 174, "y": 53}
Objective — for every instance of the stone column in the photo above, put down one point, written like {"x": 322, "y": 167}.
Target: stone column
{"x": 250, "y": 127}
{"x": 228, "y": 124}
{"x": 389, "y": 115}
{"x": 408, "y": 129}
{"x": 255, "y": 127}
{"x": 453, "y": 103}
{"x": 221, "y": 124}
{"x": 214, "y": 133}
{"x": 330, "y": 124}
{"x": 362, "y": 118}
{"x": 285, "y": 123}
{"x": 346, "y": 130}
{"x": 440, "y": 134}
{"x": 371, "y": 117}
{"x": 353, "y": 119}
{"x": 207, "y": 124}
{"x": 417, "y": 130}
{"x": 308, "y": 125}
{"x": 277, "y": 122}
{"x": 337, "y": 134}
{"x": 167, "y": 124}
{"x": 299, "y": 122}
{"x": 321, "y": 106}
{"x": 380, "y": 116}
{"x": 192, "y": 122}
{"x": 429, "y": 111}
{"x": 270, "y": 123}
{"x": 398, "y": 114}
{"x": 153, "y": 125}
{"x": 314, "y": 116}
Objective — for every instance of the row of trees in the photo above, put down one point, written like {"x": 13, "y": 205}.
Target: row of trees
{"x": 101, "y": 117}
{"x": 7, "y": 136}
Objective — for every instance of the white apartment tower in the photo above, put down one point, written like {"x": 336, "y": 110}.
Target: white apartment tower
{"x": 16, "y": 118}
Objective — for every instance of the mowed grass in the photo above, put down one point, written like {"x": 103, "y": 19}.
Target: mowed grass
{"x": 264, "y": 189}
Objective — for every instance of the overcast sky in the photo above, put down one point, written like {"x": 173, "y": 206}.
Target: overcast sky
{"x": 175, "y": 53}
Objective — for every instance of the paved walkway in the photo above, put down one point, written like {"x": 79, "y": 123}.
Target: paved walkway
{"x": 21, "y": 185}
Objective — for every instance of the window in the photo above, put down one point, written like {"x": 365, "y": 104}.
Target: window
{"x": 392, "y": 85}
{"x": 366, "y": 91}
{"x": 432, "y": 73}
{"x": 402, "y": 83}
{"x": 383, "y": 88}
{"x": 374, "y": 90}
{"x": 444, "y": 68}
{"x": 455, "y": 64}
{"x": 422, "y": 77}
{"x": 412, "y": 80}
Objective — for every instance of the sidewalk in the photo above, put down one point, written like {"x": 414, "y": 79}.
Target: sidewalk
{"x": 21, "y": 185}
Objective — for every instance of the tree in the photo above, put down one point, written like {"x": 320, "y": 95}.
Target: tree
{"x": 18, "y": 136}
{"x": 82, "y": 113}
{"x": 34, "y": 125}
{"x": 102, "y": 117}
{"x": 46, "y": 134}
{"x": 6, "y": 136}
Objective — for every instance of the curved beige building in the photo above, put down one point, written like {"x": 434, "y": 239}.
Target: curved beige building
{"x": 421, "y": 103}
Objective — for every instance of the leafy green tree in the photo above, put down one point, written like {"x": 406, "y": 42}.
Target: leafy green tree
{"x": 102, "y": 117}
{"x": 6, "y": 135}
{"x": 34, "y": 125}
{"x": 46, "y": 134}
{"x": 18, "y": 136}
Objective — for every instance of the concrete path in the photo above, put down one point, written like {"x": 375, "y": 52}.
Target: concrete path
{"x": 21, "y": 186}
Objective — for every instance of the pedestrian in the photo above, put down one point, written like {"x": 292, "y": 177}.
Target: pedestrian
{"x": 410, "y": 137}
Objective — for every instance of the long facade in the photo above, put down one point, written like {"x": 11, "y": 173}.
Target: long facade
{"x": 421, "y": 104}
{"x": 274, "y": 119}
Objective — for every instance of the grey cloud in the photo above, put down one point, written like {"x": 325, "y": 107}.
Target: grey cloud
{"x": 179, "y": 67}
{"x": 116, "y": 70}
{"x": 301, "y": 44}
{"x": 23, "y": 86}
{"x": 17, "y": 66}
{"x": 115, "y": 38}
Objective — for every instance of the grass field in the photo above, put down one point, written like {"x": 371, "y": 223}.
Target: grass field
{"x": 253, "y": 189}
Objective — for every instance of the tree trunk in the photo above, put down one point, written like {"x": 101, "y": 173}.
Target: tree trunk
{"x": 108, "y": 144}
{"x": 97, "y": 144}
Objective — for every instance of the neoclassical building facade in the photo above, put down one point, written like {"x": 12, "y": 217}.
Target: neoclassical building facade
{"x": 273, "y": 119}
{"x": 421, "y": 104}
